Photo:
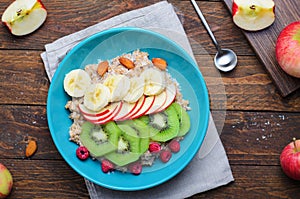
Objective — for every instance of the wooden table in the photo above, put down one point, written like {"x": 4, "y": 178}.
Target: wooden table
{"x": 259, "y": 122}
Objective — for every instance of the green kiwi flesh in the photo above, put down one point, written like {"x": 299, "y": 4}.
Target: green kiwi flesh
{"x": 128, "y": 148}
{"x": 184, "y": 119}
{"x": 167, "y": 124}
{"x": 99, "y": 140}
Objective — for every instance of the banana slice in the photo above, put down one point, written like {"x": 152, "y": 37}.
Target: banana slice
{"x": 136, "y": 90}
{"x": 76, "y": 82}
{"x": 96, "y": 97}
{"x": 118, "y": 86}
{"x": 155, "y": 81}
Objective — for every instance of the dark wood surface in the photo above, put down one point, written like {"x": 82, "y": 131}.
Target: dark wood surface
{"x": 259, "y": 121}
{"x": 264, "y": 41}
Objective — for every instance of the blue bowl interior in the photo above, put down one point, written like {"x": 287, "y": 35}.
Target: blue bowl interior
{"x": 107, "y": 45}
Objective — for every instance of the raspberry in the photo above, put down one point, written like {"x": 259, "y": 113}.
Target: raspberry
{"x": 136, "y": 168}
{"x": 107, "y": 166}
{"x": 174, "y": 146}
{"x": 154, "y": 147}
{"x": 165, "y": 155}
{"x": 82, "y": 153}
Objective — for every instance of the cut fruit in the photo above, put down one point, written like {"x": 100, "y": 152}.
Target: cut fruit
{"x": 24, "y": 16}
{"x": 149, "y": 101}
{"x": 115, "y": 107}
{"x": 167, "y": 124}
{"x": 171, "y": 95}
{"x": 118, "y": 85}
{"x": 136, "y": 90}
{"x": 127, "y": 109}
{"x": 160, "y": 100}
{"x": 128, "y": 148}
{"x": 99, "y": 140}
{"x": 96, "y": 97}
{"x": 137, "y": 128}
{"x": 184, "y": 119}
{"x": 253, "y": 15}
{"x": 155, "y": 81}
{"x": 76, "y": 82}
{"x": 139, "y": 105}
{"x": 103, "y": 113}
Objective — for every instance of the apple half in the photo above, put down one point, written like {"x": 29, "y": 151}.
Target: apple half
{"x": 253, "y": 15}
{"x": 24, "y": 16}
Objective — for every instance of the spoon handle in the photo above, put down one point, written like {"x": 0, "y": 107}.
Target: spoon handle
{"x": 206, "y": 25}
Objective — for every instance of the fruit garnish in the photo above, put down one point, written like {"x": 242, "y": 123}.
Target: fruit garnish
{"x": 160, "y": 63}
{"x": 126, "y": 62}
{"x": 102, "y": 68}
{"x": 136, "y": 168}
{"x": 82, "y": 153}
{"x": 107, "y": 166}
{"x": 154, "y": 147}
{"x": 174, "y": 146}
{"x": 165, "y": 155}
{"x": 76, "y": 82}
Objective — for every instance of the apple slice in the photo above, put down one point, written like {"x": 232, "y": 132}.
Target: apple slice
{"x": 113, "y": 109}
{"x": 139, "y": 105}
{"x": 160, "y": 100}
{"x": 127, "y": 108}
{"x": 253, "y": 15}
{"x": 85, "y": 111}
{"x": 171, "y": 94}
{"x": 149, "y": 101}
{"x": 24, "y": 16}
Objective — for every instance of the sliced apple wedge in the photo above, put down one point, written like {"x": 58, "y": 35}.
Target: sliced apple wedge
{"x": 127, "y": 109}
{"x": 139, "y": 105}
{"x": 24, "y": 16}
{"x": 149, "y": 101}
{"x": 102, "y": 113}
{"x": 171, "y": 94}
{"x": 160, "y": 100}
{"x": 253, "y": 15}
{"x": 113, "y": 108}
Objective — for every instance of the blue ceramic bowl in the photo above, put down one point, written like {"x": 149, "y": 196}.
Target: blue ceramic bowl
{"x": 107, "y": 45}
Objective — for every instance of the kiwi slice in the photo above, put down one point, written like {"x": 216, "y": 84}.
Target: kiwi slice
{"x": 136, "y": 127}
{"x": 98, "y": 139}
{"x": 167, "y": 124}
{"x": 128, "y": 147}
{"x": 184, "y": 119}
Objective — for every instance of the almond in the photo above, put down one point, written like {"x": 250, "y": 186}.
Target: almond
{"x": 126, "y": 62}
{"x": 102, "y": 68}
{"x": 31, "y": 148}
{"x": 160, "y": 63}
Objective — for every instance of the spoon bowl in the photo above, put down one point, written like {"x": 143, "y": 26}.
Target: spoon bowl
{"x": 225, "y": 60}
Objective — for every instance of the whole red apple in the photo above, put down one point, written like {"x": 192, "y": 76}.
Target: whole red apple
{"x": 290, "y": 159}
{"x": 288, "y": 49}
{"x": 6, "y": 181}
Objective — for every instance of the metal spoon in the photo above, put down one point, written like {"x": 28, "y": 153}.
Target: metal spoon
{"x": 225, "y": 59}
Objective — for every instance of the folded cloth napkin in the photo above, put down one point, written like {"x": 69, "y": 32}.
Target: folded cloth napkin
{"x": 205, "y": 172}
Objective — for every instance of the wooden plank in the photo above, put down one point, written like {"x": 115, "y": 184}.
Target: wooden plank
{"x": 44, "y": 179}
{"x": 263, "y": 42}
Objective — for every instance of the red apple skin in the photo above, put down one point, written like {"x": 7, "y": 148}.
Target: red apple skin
{"x": 290, "y": 160}
{"x": 288, "y": 49}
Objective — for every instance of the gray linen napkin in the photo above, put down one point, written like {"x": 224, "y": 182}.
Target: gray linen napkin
{"x": 205, "y": 172}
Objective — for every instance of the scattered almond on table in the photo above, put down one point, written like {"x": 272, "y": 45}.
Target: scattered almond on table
{"x": 31, "y": 148}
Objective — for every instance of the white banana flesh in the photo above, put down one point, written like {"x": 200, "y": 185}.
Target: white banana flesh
{"x": 118, "y": 86}
{"x": 136, "y": 90}
{"x": 76, "y": 82}
{"x": 154, "y": 81}
{"x": 96, "y": 97}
